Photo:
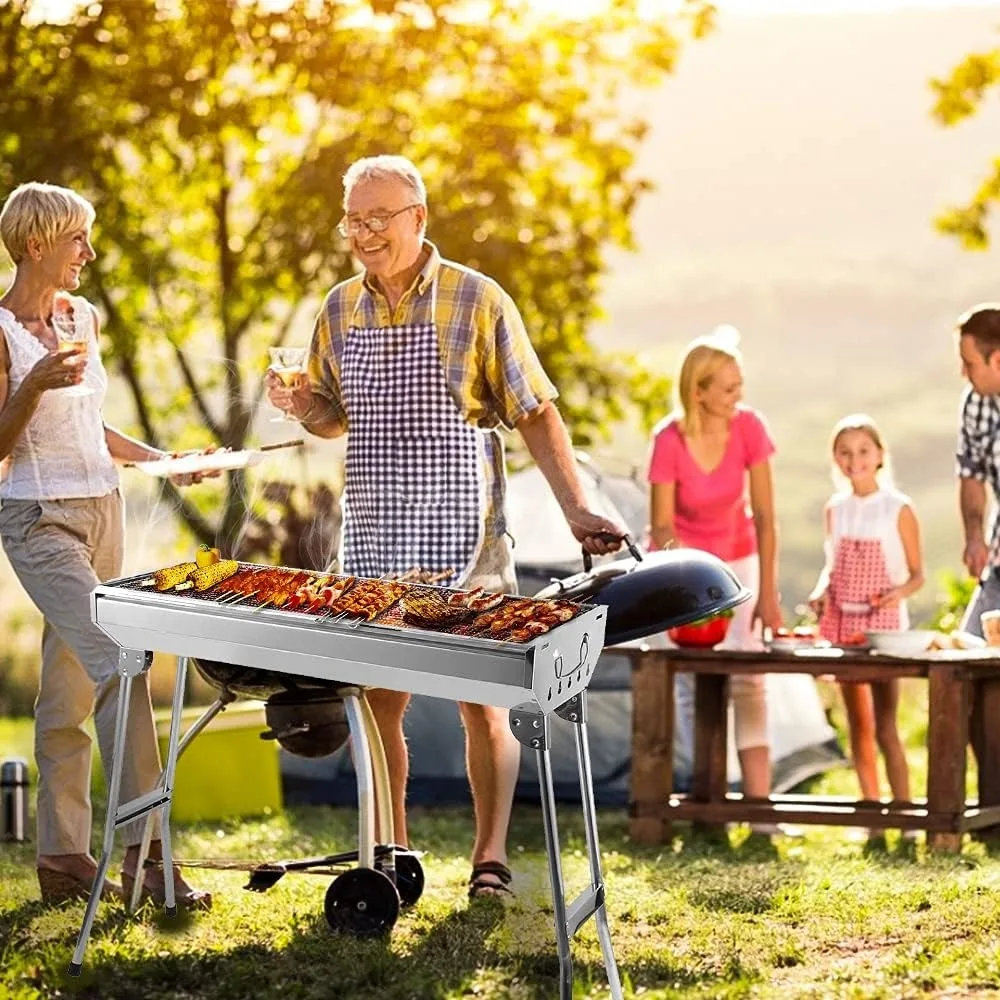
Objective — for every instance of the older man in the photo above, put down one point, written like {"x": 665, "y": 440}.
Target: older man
{"x": 423, "y": 361}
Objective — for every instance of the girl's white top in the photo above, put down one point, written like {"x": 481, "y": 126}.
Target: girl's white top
{"x": 873, "y": 516}
{"x": 62, "y": 453}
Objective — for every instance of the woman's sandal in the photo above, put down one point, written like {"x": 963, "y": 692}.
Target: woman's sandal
{"x": 58, "y": 887}
{"x": 186, "y": 899}
{"x": 482, "y": 885}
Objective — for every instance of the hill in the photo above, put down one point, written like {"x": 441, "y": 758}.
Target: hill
{"x": 798, "y": 171}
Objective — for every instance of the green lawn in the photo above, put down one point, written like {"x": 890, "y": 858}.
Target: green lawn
{"x": 695, "y": 919}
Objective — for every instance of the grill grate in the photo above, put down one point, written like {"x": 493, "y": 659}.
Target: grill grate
{"x": 391, "y": 617}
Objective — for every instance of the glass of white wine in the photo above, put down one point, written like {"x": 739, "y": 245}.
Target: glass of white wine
{"x": 74, "y": 329}
{"x": 289, "y": 364}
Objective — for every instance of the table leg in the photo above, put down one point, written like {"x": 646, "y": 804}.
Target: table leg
{"x": 709, "y": 783}
{"x": 986, "y": 741}
{"x": 947, "y": 736}
{"x": 652, "y": 765}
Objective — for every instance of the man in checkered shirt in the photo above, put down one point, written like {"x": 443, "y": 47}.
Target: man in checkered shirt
{"x": 424, "y": 361}
{"x": 978, "y": 455}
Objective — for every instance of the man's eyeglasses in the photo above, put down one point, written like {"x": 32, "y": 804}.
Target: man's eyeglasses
{"x": 374, "y": 223}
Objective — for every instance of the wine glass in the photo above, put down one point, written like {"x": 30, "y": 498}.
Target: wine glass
{"x": 289, "y": 364}
{"x": 74, "y": 329}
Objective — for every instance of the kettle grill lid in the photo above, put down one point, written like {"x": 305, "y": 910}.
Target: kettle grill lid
{"x": 659, "y": 592}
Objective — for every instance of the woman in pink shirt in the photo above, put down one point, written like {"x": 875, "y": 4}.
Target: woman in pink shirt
{"x": 711, "y": 489}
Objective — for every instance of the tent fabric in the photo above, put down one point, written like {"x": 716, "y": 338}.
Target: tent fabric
{"x": 802, "y": 740}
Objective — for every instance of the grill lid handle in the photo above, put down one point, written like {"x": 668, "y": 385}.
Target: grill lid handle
{"x": 606, "y": 536}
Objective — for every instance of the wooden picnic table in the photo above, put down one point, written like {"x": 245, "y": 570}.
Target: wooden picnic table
{"x": 963, "y": 700}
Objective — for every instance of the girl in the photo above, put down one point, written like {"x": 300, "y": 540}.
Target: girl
{"x": 711, "y": 489}
{"x": 873, "y": 564}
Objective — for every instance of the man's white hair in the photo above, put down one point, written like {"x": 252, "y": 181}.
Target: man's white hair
{"x": 384, "y": 168}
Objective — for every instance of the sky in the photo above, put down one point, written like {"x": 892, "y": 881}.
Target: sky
{"x": 58, "y": 8}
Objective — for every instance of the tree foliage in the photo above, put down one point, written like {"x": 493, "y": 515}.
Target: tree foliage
{"x": 959, "y": 96}
{"x": 212, "y": 136}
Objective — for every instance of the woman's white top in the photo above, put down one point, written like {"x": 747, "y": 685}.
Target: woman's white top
{"x": 873, "y": 516}
{"x": 62, "y": 452}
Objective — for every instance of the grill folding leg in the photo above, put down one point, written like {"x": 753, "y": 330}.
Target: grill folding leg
{"x": 132, "y": 663}
{"x": 531, "y": 728}
{"x": 217, "y": 706}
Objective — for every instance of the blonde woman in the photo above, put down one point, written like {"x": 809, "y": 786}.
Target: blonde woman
{"x": 711, "y": 489}
{"x": 61, "y": 525}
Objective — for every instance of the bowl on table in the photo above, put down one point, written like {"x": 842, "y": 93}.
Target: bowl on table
{"x": 700, "y": 635}
{"x": 908, "y": 643}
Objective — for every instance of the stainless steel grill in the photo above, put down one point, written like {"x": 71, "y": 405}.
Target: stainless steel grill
{"x": 535, "y": 679}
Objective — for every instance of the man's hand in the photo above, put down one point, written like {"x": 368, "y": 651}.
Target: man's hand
{"x": 975, "y": 557}
{"x": 295, "y": 400}
{"x": 598, "y": 535}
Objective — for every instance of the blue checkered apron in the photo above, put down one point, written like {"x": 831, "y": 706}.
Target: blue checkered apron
{"x": 414, "y": 492}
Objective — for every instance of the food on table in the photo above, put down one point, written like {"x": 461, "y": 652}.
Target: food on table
{"x": 802, "y": 632}
{"x": 956, "y": 640}
{"x": 208, "y": 576}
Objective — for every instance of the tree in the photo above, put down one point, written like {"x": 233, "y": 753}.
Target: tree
{"x": 959, "y": 96}
{"x": 212, "y": 136}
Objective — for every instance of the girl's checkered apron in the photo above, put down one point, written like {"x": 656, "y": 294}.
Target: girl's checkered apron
{"x": 859, "y": 574}
{"x": 414, "y": 492}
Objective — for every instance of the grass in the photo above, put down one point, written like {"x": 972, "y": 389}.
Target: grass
{"x": 698, "y": 918}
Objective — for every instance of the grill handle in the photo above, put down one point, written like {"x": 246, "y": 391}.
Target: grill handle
{"x": 604, "y": 536}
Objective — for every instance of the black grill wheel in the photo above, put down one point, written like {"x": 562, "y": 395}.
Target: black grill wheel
{"x": 362, "y": 902}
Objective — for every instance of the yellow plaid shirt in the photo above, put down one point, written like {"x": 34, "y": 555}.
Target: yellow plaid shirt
{"x": 491, "y": 369}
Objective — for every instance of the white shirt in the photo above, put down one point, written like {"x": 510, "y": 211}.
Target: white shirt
{"x": 62, "y": 452}
{"x": 873, "y": 516}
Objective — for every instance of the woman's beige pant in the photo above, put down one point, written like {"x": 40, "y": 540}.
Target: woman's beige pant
{"x": 60, "y": 550}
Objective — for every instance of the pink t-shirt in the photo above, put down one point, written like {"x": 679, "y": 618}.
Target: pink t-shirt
{"x": 712, "y": 509}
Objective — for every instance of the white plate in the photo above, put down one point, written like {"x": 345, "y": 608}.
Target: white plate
{"x": 789, "y": 645}
{"x": 216, "y": 461}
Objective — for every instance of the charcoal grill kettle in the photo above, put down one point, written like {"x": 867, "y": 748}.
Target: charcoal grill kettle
{"x": 651, "y": 593}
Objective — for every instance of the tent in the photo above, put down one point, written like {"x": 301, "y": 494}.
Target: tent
{"x": 803, "y": 742}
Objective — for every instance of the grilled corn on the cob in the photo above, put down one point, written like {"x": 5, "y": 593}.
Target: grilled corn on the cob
{"x": 173, "y": 575}
{"x": 207, "y": 576}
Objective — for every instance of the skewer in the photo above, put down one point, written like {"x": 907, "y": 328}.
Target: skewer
{"x": 241, "y": 597}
